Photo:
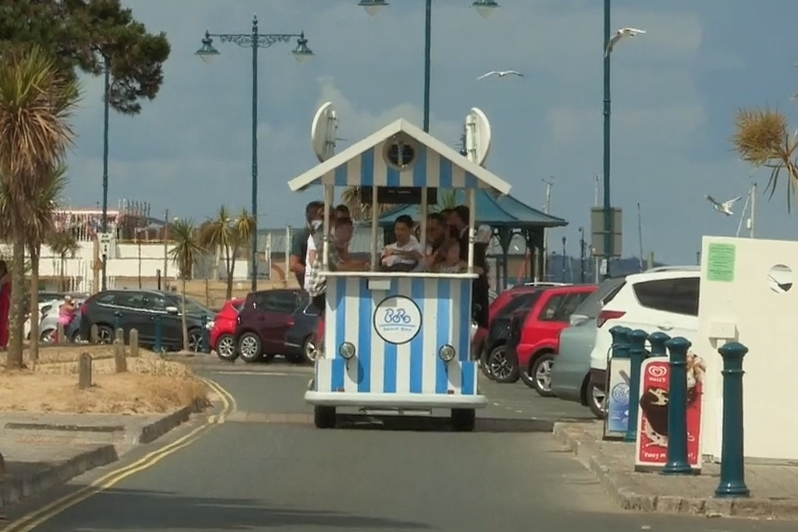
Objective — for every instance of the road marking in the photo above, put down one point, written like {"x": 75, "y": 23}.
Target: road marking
{"x": 30, "y": 521}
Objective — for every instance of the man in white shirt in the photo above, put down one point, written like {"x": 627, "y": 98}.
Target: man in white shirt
{"x": 406, "y": 252}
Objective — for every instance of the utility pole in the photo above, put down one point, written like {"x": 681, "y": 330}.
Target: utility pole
{"x": 596, "y": 191}
{"x": 753, "y": 211}
{"x": 564, "y": 258}
{"x": 165, "y": 246}
{"x": 582, "y": 252}
{"x": 546, "y": 207}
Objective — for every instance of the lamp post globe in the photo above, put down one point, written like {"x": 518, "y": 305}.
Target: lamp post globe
{"x": 373, "y": 7}
{"x": 485, "y": 7}
{"x": 302, "y": 53}
{"x": 207, "y": 53}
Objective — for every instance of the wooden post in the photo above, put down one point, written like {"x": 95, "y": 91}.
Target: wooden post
{"x": 84, "y": 371}
{"x": 133, "y": 340}
{"x": 119, "y": 357}
{"x": 59, "y": 331}
{"x": 94, "y": 335}
{"x": 96, "y": 264}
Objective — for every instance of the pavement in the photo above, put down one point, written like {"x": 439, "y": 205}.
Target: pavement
{"x": 774, "y": 487}
{"x": 263, "y": 466}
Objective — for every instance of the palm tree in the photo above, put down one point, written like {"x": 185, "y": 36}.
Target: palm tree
{"x": 37, "y": 100}
{"x": 185, "y": 255}
{"x": 64, "y": 244}
{"x": 360, "y": 211}
{"x": 447, "y": 199}
{"x": 762, "y": 138}
{"x": 226, "y": 235}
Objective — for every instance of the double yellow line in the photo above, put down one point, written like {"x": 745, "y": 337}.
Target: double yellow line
{"x": 30, "y": 521}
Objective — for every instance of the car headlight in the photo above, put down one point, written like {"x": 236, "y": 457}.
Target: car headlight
{"x": 447, "y": 353}
{"x": 210, "y": 325}
{"x": 347, "y": 350}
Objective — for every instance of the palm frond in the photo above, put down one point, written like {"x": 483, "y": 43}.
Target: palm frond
{"x": 187, "y": 249}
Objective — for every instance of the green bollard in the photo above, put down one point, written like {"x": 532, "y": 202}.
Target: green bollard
{"x": 732, "y": 454}
{"x": 617, "y": 398}
{"x": 158, "y": 344}
{"x": 637, "y": 353}
{"x": 205, "y": 336}
{"x": 117, "y": 320}
{"x": 658, "y": 340}
{"x": 678, "y": 463}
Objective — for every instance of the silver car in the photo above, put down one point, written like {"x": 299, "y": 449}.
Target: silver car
{"x": 570, "y": 375}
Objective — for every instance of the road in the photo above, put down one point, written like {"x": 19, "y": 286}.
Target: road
{"x": 266, "y": 468}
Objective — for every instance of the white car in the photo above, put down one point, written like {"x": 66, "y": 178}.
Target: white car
{"x": 661, "y": 299}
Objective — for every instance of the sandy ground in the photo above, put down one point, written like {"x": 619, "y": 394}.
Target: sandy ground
{"x": 151, "y": 384}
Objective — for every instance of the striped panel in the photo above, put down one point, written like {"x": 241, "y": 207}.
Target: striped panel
{"x": 410, "y": 368}
{"x": 430, "y": 169}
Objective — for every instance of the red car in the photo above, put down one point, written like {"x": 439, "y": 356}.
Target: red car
{"x": 224, "y": 328}
{"x": 535, "y": 335}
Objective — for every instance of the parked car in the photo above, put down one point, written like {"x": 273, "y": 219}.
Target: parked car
{"x": 264, "y": 321}
{"x": 223, "y": 332}
{"x": 570, "y": 376}
{"x": 535, "y": 333}
{"x": 48, "y": 326}
{"x": 141, "y": 310}
{"x": 300, "y": 342}
{"x": 661, "y": 299}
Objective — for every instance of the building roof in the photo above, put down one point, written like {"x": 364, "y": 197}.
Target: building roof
{"x": 436, "y": 165}
{"x": 501, "y": 211}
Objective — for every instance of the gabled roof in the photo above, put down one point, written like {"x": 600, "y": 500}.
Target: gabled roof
{"x": 436, "y": 165}
{"x": 504, "y": 211}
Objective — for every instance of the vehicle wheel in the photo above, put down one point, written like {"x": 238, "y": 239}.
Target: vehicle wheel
{"x": 501, "y": 368}
{"x": 539, "y": 375}
{"x": 324, "y": 417}
{"x": 77, "y": 338}
{"x": 309, "y": 350}
{"x": 226, "y": 347}
{"x": 464, "y": 419}
{"x": 596, "y": 400}
{"x": 194, "y": 340}
{"x": 105, "y": 335}
{"x": 47, "y": 336}
{"x": 483, "y": 364}
{"x": 249, "y": 347}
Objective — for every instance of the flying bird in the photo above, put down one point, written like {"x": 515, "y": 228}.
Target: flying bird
{"x": 500, "y": 74}
{"x": 724, "y": 207}
{"x": 620, "y": 34}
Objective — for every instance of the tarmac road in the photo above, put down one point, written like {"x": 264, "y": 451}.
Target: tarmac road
{"x": 267, "y": 468}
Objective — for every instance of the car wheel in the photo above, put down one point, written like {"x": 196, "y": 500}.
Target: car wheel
{"x": 464, "y": 419}
{"x": 194, "y": 340}
{"x": 309, "y": 349}
{"x": 324, "y": 417}
{"x": 501, "y": 368}
{"x": 596, "y": 400}
{"x": 48, "y": 336}
{"x": 105, "y": 335}
{"x": 226, "y": 347}
{"x": 77, "y": 338}
{"x": 539, "y": 376}
{"x": 249, "y": 347}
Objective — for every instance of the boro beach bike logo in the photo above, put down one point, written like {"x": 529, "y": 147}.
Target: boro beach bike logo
{"x": 397, "y": 320}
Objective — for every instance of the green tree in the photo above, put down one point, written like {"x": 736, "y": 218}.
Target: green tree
{"x": 81, "y": 34}
{"x": 227, "y": 235}
{"x": 358, "y": 210}
{"x": 65, "y": 245}
{"x": 185, "y": 254}
{"x": 36, "y": 102}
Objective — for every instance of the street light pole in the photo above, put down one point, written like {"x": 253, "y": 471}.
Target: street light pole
{"x": 106, "y": 120}
{"x": 608, "y": 236}
{"x": 254, "y": 40}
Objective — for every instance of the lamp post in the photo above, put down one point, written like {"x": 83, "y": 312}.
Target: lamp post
{"x": 254, "y": 41}
{"x": 373, "y": 7}
{"x": 608, "y": 236}
{"x": 106, "y": 119}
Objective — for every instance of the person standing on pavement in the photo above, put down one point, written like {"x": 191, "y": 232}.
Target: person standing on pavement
{"x": 299, "y": 241}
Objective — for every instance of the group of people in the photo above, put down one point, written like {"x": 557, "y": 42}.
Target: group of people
{"x": 446, "y": 250}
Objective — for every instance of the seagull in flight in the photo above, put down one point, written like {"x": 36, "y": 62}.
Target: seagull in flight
{"x": 724, "y": 207}
{"x": 501, "y": 74}
{"x": 620, "y": 34}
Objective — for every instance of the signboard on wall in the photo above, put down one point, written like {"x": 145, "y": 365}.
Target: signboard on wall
{"x": 597, "y": 231}
{"x": 616, "y": 422}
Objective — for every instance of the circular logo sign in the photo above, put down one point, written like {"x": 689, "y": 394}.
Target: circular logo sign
{"x": 397, "y": 319}
{"x": 657, "y": 371}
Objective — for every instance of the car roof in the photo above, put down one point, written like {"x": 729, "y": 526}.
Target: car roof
{"x": 664, "y": 273}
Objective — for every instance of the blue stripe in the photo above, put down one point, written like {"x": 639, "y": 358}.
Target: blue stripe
{"x": 367, "y": 168}
{"x": 444, "y": 328}
{"x": 468, "y": 366}
{"x": 445, "y": 173}
{"x": 363, "y": 334}
{"x": 420, "y": 169}
{"x": 341, "y": 174}
{"x": 338, "y": 286}
{"x": 392, "y": 177}
{"x": 389, "y": 371}
{"x": 471, "y": 180}
{"x": 417, "y": 353}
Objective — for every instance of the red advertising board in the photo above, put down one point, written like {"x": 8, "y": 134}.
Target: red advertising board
{"x": 651, "y": 446}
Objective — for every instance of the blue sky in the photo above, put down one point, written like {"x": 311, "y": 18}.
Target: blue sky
{"x": 675, "y": 92}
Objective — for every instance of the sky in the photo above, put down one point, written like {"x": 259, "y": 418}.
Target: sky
{"x": 675, "y": 91}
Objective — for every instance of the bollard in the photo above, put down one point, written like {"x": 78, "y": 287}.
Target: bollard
{"x": 637, "y": 353}
{"x": 117, "y": 320}
{"x": 94, "y": 334}
{"x": 119, "y": 336}
{"x": 677, "y": 463}
{"x": 59, "y": 333}
{"x": 732, "y": 454}
{"x": 617, "y": 385}
{"x": 658, "y": 340}
{"x": 205, "y": 336}
{"x": 119, "y": 357}
{"x": 84, "y": 371}
{"x": 134, "y": 343}
{"x": 157, "y": 347}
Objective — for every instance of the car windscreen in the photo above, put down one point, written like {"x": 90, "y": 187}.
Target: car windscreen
{"x": 524, "y": 300}
{"x": 193, "y": 307}
{"x": 591, "y": 306}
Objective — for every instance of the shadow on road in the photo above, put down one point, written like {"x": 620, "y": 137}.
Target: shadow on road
{"x": 119, "y": 509}
{"x": 441, "y": 424}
